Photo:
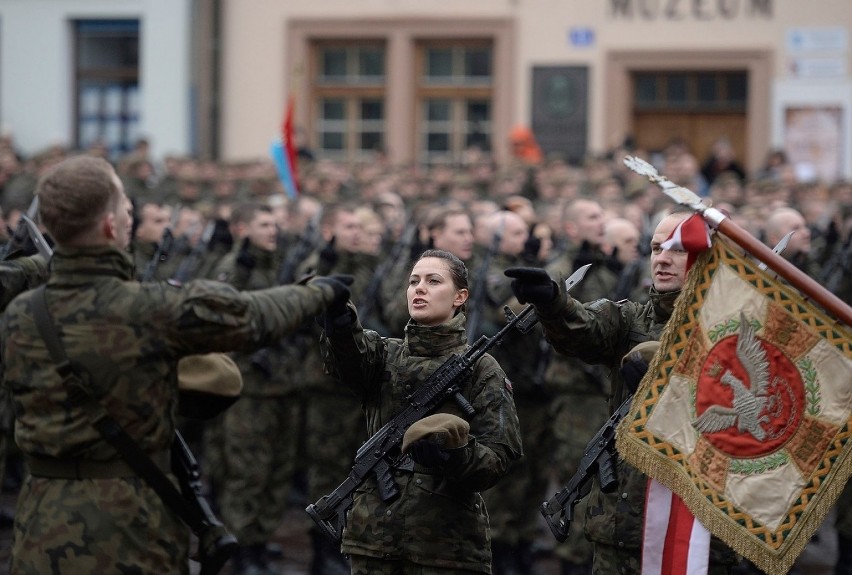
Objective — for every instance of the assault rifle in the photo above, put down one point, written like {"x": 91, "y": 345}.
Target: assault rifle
{"x": 479, "y": 287}
{"x": 306, "y": 244}
{"x": 215, "y": 543}
{"x": 599, "y": 459}
{"x": 161, "y": 254}
{"x": 382, "y": 451}
{"x": 398, "y": 253}
{"x": 21, "y": 234}
{"x": 189, "y": 265}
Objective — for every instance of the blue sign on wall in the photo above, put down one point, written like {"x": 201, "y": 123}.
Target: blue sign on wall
{"x": 581, "y": 37}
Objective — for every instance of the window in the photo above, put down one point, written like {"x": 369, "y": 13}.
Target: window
{"x": 106, "y": 64}
{"x": 349, "y": 92}
{"x": 454, "y": 95}
{"x": 690, "y": 91}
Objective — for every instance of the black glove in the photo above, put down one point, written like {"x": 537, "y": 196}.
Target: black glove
{"x": 427, "y": 453}
{"x": 244, "y": 257}
{"x": 531, "y": 248}
{"x": 613, "y": 263}
{"x": 532, "y": 285}
{"x": 586, "y": 255}
{"x": 337, "y": 313}
{"x": 633, "y": 371}
{"x": 328, "y": 256}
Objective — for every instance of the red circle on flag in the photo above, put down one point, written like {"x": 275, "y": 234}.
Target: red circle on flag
{"x": 750, "y": 422}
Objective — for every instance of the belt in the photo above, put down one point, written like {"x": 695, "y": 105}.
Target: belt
{"x": 62, "y": 468}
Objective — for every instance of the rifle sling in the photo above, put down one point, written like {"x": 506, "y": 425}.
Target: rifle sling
{"x": 112, "y": 432}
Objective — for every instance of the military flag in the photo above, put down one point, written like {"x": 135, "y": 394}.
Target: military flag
{"x": 745, "y": 411}
{"x": 283, "y": 153}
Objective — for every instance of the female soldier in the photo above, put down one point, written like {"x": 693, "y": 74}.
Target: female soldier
{"x": 439, "y": 523}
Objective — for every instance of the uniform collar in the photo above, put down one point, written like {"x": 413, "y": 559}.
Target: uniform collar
{"x": 432, "y": 341}
{"x": 96, "y": 260}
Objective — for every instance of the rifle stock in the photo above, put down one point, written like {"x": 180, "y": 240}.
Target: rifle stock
{"x": 382, "y": 451}
{"x": 215, "y": 543}
{"x": 598, "y": 460}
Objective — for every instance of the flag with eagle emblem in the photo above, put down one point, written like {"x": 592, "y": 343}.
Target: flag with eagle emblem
{"x": 745, "y": 410}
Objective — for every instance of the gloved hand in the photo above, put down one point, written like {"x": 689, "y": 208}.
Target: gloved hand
{"x": 531, "y": 248}
{"x": 337, "y": 313}
{"x": 586, "y": 255}
{"x": 244, "y": 257}
{"x": 427, "y": 453}
{"x": 328, "y": 256}
{"x": 532, "y": 285}
{"x": 635, "y": 364}
{"x": 428, "y": 439}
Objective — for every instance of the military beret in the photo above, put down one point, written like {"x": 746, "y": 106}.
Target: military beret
{"x": 447, "y": 430}
{"x": 209, "y": 384}
{"x": 644, "y": 351}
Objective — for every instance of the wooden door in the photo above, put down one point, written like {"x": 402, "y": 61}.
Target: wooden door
{"x": 653, "y": 130}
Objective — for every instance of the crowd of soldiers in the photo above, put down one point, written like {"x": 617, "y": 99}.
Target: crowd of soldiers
{"x": 295, "y": 430}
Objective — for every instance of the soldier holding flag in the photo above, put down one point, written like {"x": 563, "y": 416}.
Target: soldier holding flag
{"x": 603, "y": 332}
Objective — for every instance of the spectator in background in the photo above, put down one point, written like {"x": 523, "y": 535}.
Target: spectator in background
{"x": 722, "y": 159}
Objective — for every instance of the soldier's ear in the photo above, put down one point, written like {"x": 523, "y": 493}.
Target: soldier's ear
{"x": 461, "y": 297}
{"x": 108, "y": 226}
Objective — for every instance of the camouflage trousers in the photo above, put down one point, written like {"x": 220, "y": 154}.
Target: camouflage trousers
{"x": 336, "y": 427}
{"x": 513, "y": 503}
{"x": 362, "y": 565}
{"x": 576, "y": 419}
{"x": 259, "y": 453}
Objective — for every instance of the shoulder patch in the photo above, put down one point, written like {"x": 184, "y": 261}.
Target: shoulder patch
{"x": 508, "y": 384}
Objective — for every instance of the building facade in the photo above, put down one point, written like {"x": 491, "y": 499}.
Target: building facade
{"x": 423, "y": 80}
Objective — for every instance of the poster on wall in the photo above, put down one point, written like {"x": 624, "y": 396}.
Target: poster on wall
{"x": 813, "y": 139}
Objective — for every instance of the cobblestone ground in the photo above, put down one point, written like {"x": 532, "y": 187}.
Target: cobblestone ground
{"x": 817, "y": 559}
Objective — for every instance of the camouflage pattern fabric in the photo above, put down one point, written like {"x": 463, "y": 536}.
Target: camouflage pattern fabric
{"x": 513, "y": 503}
{"x": 580, "y": 395}
{"x": 440, "y": 519}
{"x": 368, "y": 566}
{"x": 602, "y": 332}
{"x": 334, "y": 420}
{"x": 126, "y": 338}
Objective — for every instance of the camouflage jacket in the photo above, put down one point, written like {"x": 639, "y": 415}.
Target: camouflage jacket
{"x": 273, "y": 370}
{"x": 569, "y": 374}
{"x": 440, "y": 519}
{"x": 603, "y": 332}
{"x": 19, "y": 275}
{"x": 125, "y": 339}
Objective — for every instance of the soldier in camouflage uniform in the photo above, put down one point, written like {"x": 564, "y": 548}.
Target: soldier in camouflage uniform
{"x": 334, "y": 424}
{"x": 603, "y": 332}
{"x": 513, "y": 503}
{"x": 580, "y": 392}
{"x": 153, "y": 219}
{"x": 439, "y": 524}
{"x": 82, "y": 509}
{"x": 257, "y": 435}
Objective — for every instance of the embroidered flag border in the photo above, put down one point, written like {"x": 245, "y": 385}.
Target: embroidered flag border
{"x": 764, "y": 491}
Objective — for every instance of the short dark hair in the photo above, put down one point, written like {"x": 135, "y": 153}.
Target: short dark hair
{"x": 74, "y": 194}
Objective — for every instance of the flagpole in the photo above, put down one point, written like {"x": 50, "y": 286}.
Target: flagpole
{"x": 718, "y": 220}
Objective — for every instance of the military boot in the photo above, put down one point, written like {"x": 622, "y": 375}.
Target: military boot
{"x": 327, "y": 559}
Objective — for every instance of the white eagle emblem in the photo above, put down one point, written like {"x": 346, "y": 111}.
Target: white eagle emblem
{"x": 749, "y": 402}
